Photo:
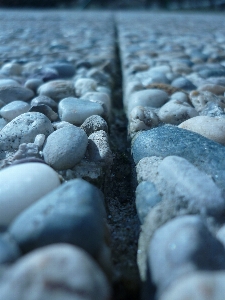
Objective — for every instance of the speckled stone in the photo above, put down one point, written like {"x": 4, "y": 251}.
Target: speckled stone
{"x": 65, "y": 147}
{"x": 37, "y": 276}
{"x": 94, "y": 123}
{"x": 67, "y": 214}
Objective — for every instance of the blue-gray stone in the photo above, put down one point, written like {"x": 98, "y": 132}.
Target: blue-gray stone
{"x": 168, "y": 140}
{"x": 147, "y": 197}
{"x": 212, "y": 72}
{"x": 72, "y": 213}
{"x": 65, "y": 70}
{"x": 183, "y": 83}
{"x": 9, "y": 251}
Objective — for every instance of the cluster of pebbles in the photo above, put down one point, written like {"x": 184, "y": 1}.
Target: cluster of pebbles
{"x": 56, "y": 79}
{"x": 174, "y": 83}
{"x": 57, "y": 75}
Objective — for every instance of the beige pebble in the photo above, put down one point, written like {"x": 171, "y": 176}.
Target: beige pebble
{"x": 212, "y": 128}
{"x": 213, "y": 88}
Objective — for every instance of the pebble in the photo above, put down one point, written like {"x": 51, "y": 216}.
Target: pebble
{"x": 21, "y": 187}
{"x": 189, "y": 189}
{"x": 151, "y": 98}
{"x": 65, "y": 147}
{"x": 170, "y": 140}
{"x": 68, "y": 214}
{"x": 14, "y": 109}
{"x": 44, "y": 100}
{"x": 213, "y": 88}
{"x": 98, "y": 149}
{"x": 33, "y": 84}
{"x": 101, "y": 98}
{"x": 27, "y": 151}
{"x": 175, "y": 112}
{"x": 23, "y": 129}
{"x": 212, "y": 109}
{"x": 85, "y": 85}
{"x": 199, "y": 285}
{"x": 2, "y": 123}
{"x": 9, "y": 251}
{"x": 199, "y": 99}
{"x": 57, "y": 89}
{"x": 180, "y": 96}
{"x": 11, "y": 69}
{"x": 8, "y": 82}
{"x": 45, "y": 110}
{"x": 212, "y": 128}
{"x": 180, "y": 247}
{"x": 147, "y": 197}
{"x": 37, "y": 274}
{"x": 76, "y": 111}
{"x": 183, "y": 83}
{"x": 94, "y": 123}
{"x": 9, "y": 93}
{"x": 147, "y": 168}
{"x": 65, "y": 70}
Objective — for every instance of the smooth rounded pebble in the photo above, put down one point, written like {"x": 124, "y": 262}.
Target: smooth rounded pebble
{"x": 57, "y": 89}
{"x": 10, "y": 93}
{"x": 23, "y": 129}
{"x": 85, "y": 85}
{"x": 73, "y": 213}
{"x": 76, "y": 111}
{"x": 11, "y": 68}
{"x": 212, "y": 128}
{"x": 199, "y": 99}
{"x": 45, "y": 110}
{"x": 151, "y": 98}
{"x": 22, "y": 185}
{"x": 65, "y": 147}
{"x": 45, "y": 100}
{"x": 94, "y": 123}
{"x": 170, "y": 140}
{"x": 61, "y": 272}
{"x": 183, "y": 83}
{"x": 65, "y": 70}
{"x": 181, "y": 246}
{"x": 98, "y": 148}
{"x": 101, "y": 98}
{"x": 197, "y": 286}
{"x": 9, "y": 250}
{"x": 189, "y": 188}
{"x": 8, "y": 82}
{"x": 147, "y": 197}
{"x": 14, "y": 109}
{"x": 213, "y": 88}
{"x": 175, "y": 112}
{"x": 33, "y": 84}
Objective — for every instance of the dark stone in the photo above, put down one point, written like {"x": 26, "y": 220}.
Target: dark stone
{"x": 42, "y": 99}
{"x": 64, "y": 70}
{"x": 46, "y": 110}
{"x": 9, "y": 251}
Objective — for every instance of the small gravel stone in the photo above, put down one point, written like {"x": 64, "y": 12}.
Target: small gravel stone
{"x": 37, "y": 276}
{"x": 213, "y": 88}
{"x": 9, "y": 251}
{"x": 65, "y": 147}
{"x": 101, "y": 98}
{"x": 85, "y": 85}
{"x": 11, "y": 93}
{"x": 8, "y": 82}
{"x": 151, "y": 98}
{"x": 65, "y": 70}
{"x": 33, "y": 84}
{"x": 12, "y": 69}
{"x": 183, "y": 83}
{"x": 175, "y": 112}
{"x": 57, "y": 89}
{"x": 98, "y": 148}
{"x": 147, "y": 197}
{"x": 212, "y": 109}
{"x": 21, "y": 187}
{"x": 44, "y": 100}
{"x": 76, "y": 111}
{"x": 200, "y": 99}
{"x": 181, "y": 246}
{"x": 45, "y": 110}
{"x": 23, "y": 129}
{"x": 14, "y": 109}
{"x": 94, "y": 123}
{"x": 67, "y": 214}
{"x": 212, "y": 128}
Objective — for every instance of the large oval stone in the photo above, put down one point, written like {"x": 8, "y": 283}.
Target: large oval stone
{"x": 22, "y": 185}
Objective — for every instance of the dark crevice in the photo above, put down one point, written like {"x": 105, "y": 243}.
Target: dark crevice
{"x": 120, "y": 201}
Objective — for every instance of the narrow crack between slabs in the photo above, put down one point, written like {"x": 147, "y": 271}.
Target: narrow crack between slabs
{"x": 120, "y": 201}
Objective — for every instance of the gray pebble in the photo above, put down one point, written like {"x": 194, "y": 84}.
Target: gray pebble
{"x": 12, "y": 93}
{"x": 14, "y": 109}
{"x": 85, "y": 85}
{"x": 65, "y": 147}
{"x": 24, "y": 129}
{"x": 61, "y": 272}
{"x": 65, "y": 70}
{"x": 45, "y": 100}
{"x": 67, "y": 214}
{"x": 33, "y": 84}
{"x": 57, "y": 89}
{"x": 45, "y": 110}
{"x": 183, "y": 83}
{"x": 147, "y": 197}
{"x": 9, "y": 251}
{"x": 94, "y": 123}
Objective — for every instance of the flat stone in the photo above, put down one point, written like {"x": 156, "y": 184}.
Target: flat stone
{"x": 67, "y": 214}
{"x": 151, "y": 98}
{"x": 11, "y": 93}
{"x": 37, "y": 274}
{"x": 57, "y": 89}
{"x": 9, "y": 251}
{"x": 196, "y": 286}
{"x": 65, "y": 147}
{"x": 180, "y": 247}
{"x": 23, "y": 185}
{"x": 76, "y": 111}
{"x": 147, "y": 197}
{"x": 65, "y": 70}
{"x": 175, "y": 112}
{"x": 94, "y": 123}
{"x": 14, "y": 109}
{"x": 168, "y": 140}
{"x": 212, "y": 128}
{"x": 23, "y": 129}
